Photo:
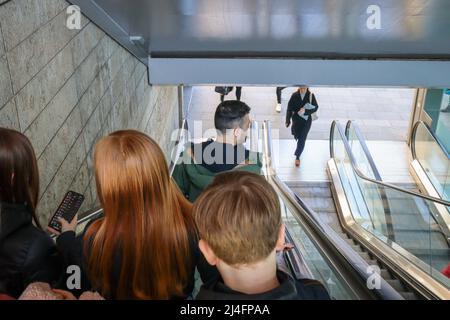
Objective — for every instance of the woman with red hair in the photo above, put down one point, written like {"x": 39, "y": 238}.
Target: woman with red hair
{"x": 145, "y": 246}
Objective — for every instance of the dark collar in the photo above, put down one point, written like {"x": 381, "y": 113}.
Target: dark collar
{"x": 13, "y": 217}
{"x": 218, "y": 290}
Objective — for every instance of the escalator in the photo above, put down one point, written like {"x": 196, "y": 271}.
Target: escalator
{"x": 319, "y": 255}
{"x": 430, "y": 167}
{"x": 329, "y": 257}
{"x": 347, "y": 249}
{"x": 394, "y": 227}
{"x": 369, "y": 215}
{"x": 416, "y": 223}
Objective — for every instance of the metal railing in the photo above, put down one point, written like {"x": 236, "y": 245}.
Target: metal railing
{"x": 338, "y": 253}
{"x": 364, "y": 177}
{"x": 405, "y": 264}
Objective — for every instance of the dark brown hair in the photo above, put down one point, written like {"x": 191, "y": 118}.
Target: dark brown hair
{"x": 239, "y": 217}
{"x": 19, "y": 175}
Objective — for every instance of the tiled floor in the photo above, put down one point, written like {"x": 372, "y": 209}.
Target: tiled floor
{"x": 393, "y": 169}
{"x": 383, "y": 114}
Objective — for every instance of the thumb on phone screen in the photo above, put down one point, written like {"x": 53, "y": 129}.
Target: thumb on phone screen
{"x": 66, "y": 226}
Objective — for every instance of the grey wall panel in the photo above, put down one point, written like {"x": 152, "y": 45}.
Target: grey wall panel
{"x": 291, "y": 71}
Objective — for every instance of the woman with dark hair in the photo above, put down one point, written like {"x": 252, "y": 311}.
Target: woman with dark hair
{"x": 27, "y": 253}
{"x": 145, "y": 246}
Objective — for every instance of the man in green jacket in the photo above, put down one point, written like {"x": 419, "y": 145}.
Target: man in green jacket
{"x": 201, "y": 162}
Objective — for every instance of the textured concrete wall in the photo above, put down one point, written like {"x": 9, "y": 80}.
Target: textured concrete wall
{"x": 65, "y": 89}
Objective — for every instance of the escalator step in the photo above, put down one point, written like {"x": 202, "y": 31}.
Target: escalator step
{"x": 396, "y": 284}
{"x": 408, "y": 295}
{"x": 385, "y": 274}
{"x": 350, "y": 242}
{"x": 365, "y": 256}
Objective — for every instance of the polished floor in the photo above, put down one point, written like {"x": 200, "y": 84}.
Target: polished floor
{"x": 393, "y": 169}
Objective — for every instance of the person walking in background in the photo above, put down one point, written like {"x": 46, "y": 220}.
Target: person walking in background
{"x": 301, "y": 106}
{"x": 223, "y": 91}
{"x": 278, "y": 107}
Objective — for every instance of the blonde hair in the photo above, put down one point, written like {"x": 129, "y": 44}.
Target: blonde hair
{"x": 239, "y": 217}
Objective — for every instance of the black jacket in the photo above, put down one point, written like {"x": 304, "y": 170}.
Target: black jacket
{"x": 295, "y": 104}
{"x": 71, "y": 247}
{"x": 289, "y": 289}
{"x": 27, "y": 254}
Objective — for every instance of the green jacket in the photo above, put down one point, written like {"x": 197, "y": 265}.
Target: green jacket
{"x": 192, "y": 178}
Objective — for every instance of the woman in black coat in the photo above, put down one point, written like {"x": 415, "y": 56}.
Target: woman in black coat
{"x": 301, "y": 117}
{"x": 27, "y": 253}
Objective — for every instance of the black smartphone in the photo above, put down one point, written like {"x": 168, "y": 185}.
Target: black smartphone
{"x": 67, "y": 209}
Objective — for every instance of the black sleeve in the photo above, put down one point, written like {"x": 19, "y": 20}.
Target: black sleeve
{"x": 309, "y": 289}
{"x": 314, "y": 103}
{"x": 71, "y": 247}
{"x": 42, "y": 263}
{"x": 290, "y": 108}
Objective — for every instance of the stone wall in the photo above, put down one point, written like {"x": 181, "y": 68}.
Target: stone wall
{"x": 64, "y": 89}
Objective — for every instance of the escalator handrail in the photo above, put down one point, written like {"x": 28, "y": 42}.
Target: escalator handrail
{"x": 362, "y": 142}
{"x": 333, "y": 241}
{"x": 432, "y": 134}
{"x": 384, "y": 199}
{"x": 90, "y": 214}
{"x": 392, "y": 252}
{"x": 355, "y": 168}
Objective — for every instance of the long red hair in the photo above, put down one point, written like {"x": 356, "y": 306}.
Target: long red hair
{"x": 146, "y": 219}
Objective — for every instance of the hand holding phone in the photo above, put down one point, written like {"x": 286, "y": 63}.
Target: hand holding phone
{"x": 66, "y": 210}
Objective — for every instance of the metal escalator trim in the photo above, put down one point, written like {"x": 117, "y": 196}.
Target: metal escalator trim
{"x": 296, "y": 261}
{"x": 88, "y": 215}
{"x": 332, "y": 242}
{"x": 351, "y": 124}
{"x": 436, "y": 139}
{"x": 338, "y": 254}
{"x": 398, "y": 260}
{"x": 355, "y": 168}
{"x": 377, "y": 175}
{"x": 423, "y": 180}
{"x": 179, "y": 143}
{"x": 424, "y": 183}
